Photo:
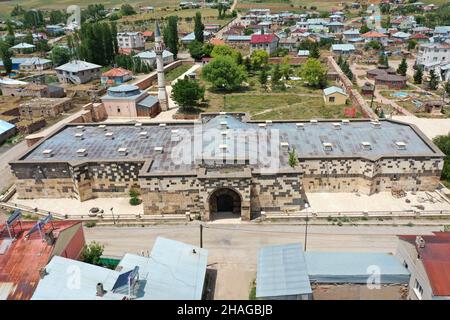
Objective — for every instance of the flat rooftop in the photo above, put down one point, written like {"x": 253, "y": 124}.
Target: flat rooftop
{"x": 216, "y": 137}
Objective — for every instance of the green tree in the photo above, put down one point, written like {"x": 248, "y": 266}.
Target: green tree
{"x": 402, "y": 68}
{"x": 18, "y": 10}
{"x": 127, "y": 10}
{"x": 275, "y": 77}
{"x": 364, "y": 29}
{"x": 293, "y": 158}
{"x": 224, "y": 73}
{"x": 10, "y": 37}
{"x": 259, "y": 59}
{"x": 57, "y": 16}
{"x": 171, "y": 35}
{"x": 263, "y": 78}
{"x": 314, "y": 73}
{"x": 443, "y": 143}
{"x": 196, "y": 49}
{"x": 285, "y": 68}
{"x": 5, "y": 55}
{"x": 198, "y": 27}
{"x": 447, "y": 88}
{"x": 376, "y": 45}
{"x": 418, "y": 74}
{"x": 28, "y": 38}
{"x": 187, "y": 93}
{"x": 314, "y": 52}
{"x": 434, "y": 82}
{"x": 60, "y": 55}
{"x": 92, "y": 252}
{"x": 412, "y": 44}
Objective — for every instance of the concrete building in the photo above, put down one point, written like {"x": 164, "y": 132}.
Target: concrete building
{"x": 36, "y": 64}
{"x": 225, "y": 172}
{"x": 433, "y": 53}
{"x": 7, "y": 130}
{"x": 375, "y": 36}
{"x": 428, "y": 260}
{"x": 78, "y": 72}
{"x": 266, "y": 42}
{"x": 173, "y": 271}
{"x": 343, "y": 49}
{"x": 44, "y": 107}
{"x": 128, "y": 101}
{"x": 334, "y": 96}
{"x": 26, "y": 253}
{"x": 131, "y": 40}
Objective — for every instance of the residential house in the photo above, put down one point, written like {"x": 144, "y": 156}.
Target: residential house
{"x": 401, "y": 36}
{"x": 442, "y": 31}
{"x": 187, "y": 39}
{"x": 149, "y": 35}
{"x": 289, "y": 43}
{"x": 149, "y": 57}
{"x": 427, "y": 258}
{"x": 433, "y": 53}
{"x": 116, "y": 76}
{"x": 420, "y": 38}
{"x": 23, "y": 47}
{"x": 266, "y": 42}
{"x": 54, "y": 30}
{"x": 35, "y": 64}
{"x": 335, "y": 27}
{"x": 7, "y": 130}
{"x": 334, "y": 96}
{"x": 77, "y": 72}
{"x": 131, "y": 40}
{"x": 238, "y": 39}
{"x": 351, "y": 34}
{"x": 303, "y": 53}
{"x": 375, "y": 36}
{"x": 343, "y": 49}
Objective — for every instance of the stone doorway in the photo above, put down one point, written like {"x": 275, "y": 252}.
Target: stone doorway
{"x": 224, "y": 203}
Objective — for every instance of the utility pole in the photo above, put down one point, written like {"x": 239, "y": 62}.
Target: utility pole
{"x": 306, "y": 225}
{"x": 112, "y": 212}
{"x": 201, "y": 236}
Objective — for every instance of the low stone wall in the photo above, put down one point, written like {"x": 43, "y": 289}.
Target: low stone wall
{"x": 148, "y": 81}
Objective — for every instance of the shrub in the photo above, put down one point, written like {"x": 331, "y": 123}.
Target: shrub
{"x": 134, "y": 201}
{"x": 90, "y": 224}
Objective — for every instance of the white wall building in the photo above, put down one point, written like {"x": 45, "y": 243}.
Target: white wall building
{"x": 131, "y": 40}
{"x": 433, "y": 52}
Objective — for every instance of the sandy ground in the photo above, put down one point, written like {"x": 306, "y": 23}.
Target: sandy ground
{"x": 233, "y": 250}
{"x": 430, "y": 127}
{"x": 382, "y": 201}
{"x": 75, "y": 207}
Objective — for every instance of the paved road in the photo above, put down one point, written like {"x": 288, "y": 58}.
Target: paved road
{"x": 233, "y": 249}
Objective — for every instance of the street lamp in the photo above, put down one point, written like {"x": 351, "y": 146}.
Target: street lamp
{"x": 306, "y": 225}
{"x": 112, "y": 212}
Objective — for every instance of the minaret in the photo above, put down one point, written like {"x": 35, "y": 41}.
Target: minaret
{"x": 159, "y": 48}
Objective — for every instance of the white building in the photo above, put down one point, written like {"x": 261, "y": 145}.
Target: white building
{"x": 149, "y": 57}
{"x": 78, "y": 72}
{"x": 131, "y": 40}
{"x": 433, "y": 53}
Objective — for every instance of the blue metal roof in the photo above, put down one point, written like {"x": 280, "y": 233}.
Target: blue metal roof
{"x": 148, "y": 102}
{"x": 282, "y": 271}
{"x": 5, "y": 126}
{"x": 331, "y": 90}
{"x": 342, "y": 47}
{"x": 343, "y": 267}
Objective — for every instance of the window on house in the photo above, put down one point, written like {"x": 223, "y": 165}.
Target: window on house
{"x": 118, "y": 110}
{"x": 418, "y": 289}
{"x": 331, "y": 99}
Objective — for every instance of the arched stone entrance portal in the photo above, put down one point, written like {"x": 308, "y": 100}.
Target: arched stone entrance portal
{"x": 223, "y": 201}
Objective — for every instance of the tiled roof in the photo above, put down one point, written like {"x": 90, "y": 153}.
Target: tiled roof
{"x": 263, "y": 38}
{"x": 373, "y": 34}
{"x": 116, "y": 72}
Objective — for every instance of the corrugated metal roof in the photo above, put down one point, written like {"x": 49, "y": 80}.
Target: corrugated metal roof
{"x": 282, "y": 271}
{"x": 344, "y": 267}
{"x": 342, "y": 47}
{"x": 174, "y": 271}
{"x": 5, "y": 126}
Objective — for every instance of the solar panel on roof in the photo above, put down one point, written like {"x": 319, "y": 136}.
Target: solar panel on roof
{"x": 124, "y": 279}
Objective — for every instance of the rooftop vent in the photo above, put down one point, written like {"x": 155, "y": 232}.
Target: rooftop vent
{"x": 223, "y": 124}
{"x": 109, "y": 135}
{"x": 268, "y": 122}
{"x": 100, "y": 290}
{"x": 345, "y": 121}
{"x": 122, "y": 151}
{"x": 102, "y": 127}
{"x": 79, "y": 136}
{"x": 158, "y": 149}
{"x": 81, "y": 128}
{"x": 262, "y": 125}
{"x": 138, "y": 124}
{"x": 366, "y": 145}
{"x": 400, "y": 145}
{"x": 337, "y": 126}
{"x": 300, "y": 126}
{"x": 175, "y": 135}
{"x": 327, "y": 146}
{"x": 81, "y": 152}
{"x": 162, "y": 124}
{"x": 143, "y": 134}
{"x": 284, "y": 146}
{"x": 222, "y": 113}
{"x": 48, "y": 153}
{"x": 376, "y": 124}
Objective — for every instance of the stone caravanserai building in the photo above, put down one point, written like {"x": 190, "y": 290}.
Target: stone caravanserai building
{"x": 227, "y": 163}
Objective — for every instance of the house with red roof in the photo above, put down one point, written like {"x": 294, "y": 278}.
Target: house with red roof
{"x": 420, "y": 37}
{"x": 149, "y": 35}
{"x": 266, "y": 42}
{"x": 116, "y": 76}
{"x": 427, "y": 258}
{"x": 25, "y": 250}
{"x": 375, "y": 36}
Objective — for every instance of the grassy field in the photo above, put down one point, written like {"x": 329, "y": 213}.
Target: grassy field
{"x": 175, "y": 73}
